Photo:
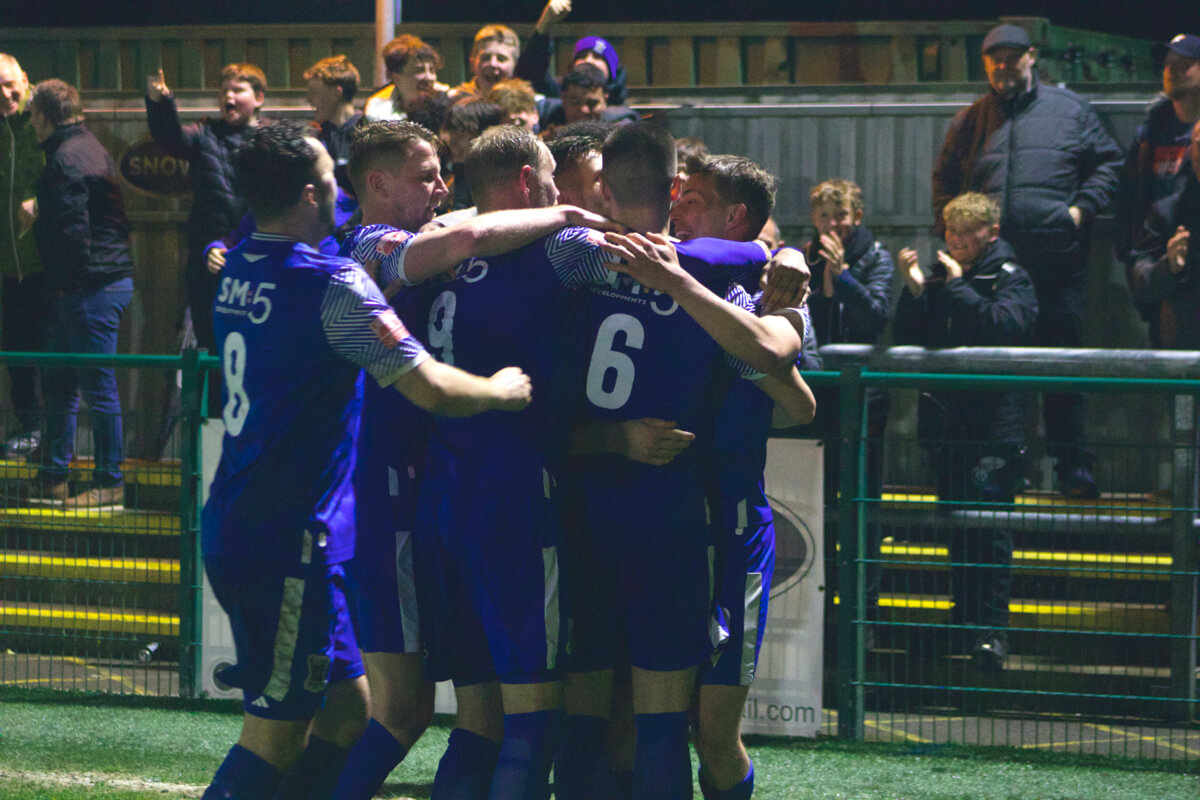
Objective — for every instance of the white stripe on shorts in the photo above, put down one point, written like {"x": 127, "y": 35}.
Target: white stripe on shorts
{"x": 406, "y": 593}
{"x": 550, "y": 603}
{"x": 753, "y": 601}
{"x": 288, "y": 629}
{"x": 393, "y": 482}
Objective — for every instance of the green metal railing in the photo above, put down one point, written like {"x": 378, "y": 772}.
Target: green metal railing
{"x": 1107, "y": 642}
{"x": 1122, "y": 669}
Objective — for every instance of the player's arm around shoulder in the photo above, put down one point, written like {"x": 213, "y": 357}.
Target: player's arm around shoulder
{"x": 434, "y": 252}
{"x": 794, "y": 400}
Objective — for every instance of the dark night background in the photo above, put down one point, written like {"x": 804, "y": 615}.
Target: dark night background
{"x": 1160, "y": 20}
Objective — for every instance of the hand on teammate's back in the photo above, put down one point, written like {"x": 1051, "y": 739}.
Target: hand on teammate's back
{"x": 785, "y": 281}
{"x": 653, "y": 441}
{"x": 514, "y": 390}
{"x": 582, "y": 218}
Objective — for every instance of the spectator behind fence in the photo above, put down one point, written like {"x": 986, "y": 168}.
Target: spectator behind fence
{"x": 493, "y": 59}
{"x": 535, "y": 62}
{"x": 583, "y": 99}
{"x": 974, "y": 296}
{"x": 411, "y": 66}
{"x": 208, "y": 145}
{"x": 1156, "y": 164}
{"x": 851, "y": 303}
{"x": 1042, "y": 153}
{"x": 23, "y": 294}
{"x": 1166, "y": 268}
{"x": 82, "y": 238}
{"x": 517, "y": 102}
{"x": 332, "y": 86}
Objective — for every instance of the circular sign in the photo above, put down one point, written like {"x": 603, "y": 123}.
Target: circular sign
{"x": 149, "y": 170}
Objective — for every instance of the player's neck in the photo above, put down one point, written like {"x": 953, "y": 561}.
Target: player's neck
{"x": 643, "y": 220}
{"x": 296, "y": 224}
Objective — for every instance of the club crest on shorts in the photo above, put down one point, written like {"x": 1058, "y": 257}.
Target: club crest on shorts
{"x": 318, "y": 673}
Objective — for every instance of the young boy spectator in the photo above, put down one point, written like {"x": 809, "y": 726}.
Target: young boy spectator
{"x": 538, "y": 55}
{"x": 208, "y": 145}
{"x": 975, "y": 296}
{"x": 412, "y": 67}
{"x": 1166, "y": 266}
{"x": 517, "y": 103}
{"x": 851, "y": 303}
{"x": 332, "y": 85}
{"x": 493, "y": 59}
{"x": 583, "y": 99}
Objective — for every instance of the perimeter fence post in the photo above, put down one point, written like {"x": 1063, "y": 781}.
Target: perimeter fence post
{"x": 1183, "y": 560}
{"x": 191, "y": 565}
{"x": 851, "y": 572}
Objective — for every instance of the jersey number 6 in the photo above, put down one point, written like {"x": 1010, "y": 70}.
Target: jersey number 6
{"x": 606, "y": 360}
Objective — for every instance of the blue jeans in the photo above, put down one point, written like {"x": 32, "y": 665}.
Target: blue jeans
{"x": 84, "y": 322}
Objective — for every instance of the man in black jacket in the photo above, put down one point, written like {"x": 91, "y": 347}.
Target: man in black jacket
{"x": 82, "y": 239}
{"x": 1042, "y": 153}
{"x": 1155, "y": 162}
{"x": 976, "y": 296}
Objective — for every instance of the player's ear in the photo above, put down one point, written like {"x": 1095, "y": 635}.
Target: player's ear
{"x": 604, "y": 191}
{"x": 526, "y": 174}
{"x": 376, "y": 182}
{"x": 676, "y": 188}
{"x": 309, "y": 194}
{"x": 737, "y": 215}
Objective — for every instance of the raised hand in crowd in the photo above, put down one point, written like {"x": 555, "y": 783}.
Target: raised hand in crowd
{"x": 215, "y": 259}
{"x": 156, "y": 86}
{"x": 954, "y": 270}
{"x": 555, "y": 11}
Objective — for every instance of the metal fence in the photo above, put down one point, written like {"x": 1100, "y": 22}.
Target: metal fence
{"x": 1092, "y": 603}
{"x": 1101, "y": 618}
{"x": 104, "y": 599}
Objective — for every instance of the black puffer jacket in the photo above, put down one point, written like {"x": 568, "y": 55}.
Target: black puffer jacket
{"x": 208, "y": 145}
{"x": 993, "y": 305}
{"x": 81, "y": 230}
{"x": 861, "y": 304}
{"x": 1037, "y": 154}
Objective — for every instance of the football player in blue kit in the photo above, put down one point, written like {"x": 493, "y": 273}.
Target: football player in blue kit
{"x": 395, "y": 169}
{"x": 731, "y": 197}
{"x": 295, "y": 330}
{"x": 653, "y": 355}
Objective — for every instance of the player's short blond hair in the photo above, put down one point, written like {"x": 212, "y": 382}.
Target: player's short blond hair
{"x": 972, "y": 208}
{"x": 837, "y": 191}
{"x": 501, "y": 34}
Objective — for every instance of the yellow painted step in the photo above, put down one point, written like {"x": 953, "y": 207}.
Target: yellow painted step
{"x": 1059, "y": 614}
{"x": 145, "y": 523}
{"x": 1120, "y": 566}
{"x": 80, "y": 619}
{"x": 141, "y": 473}
{"x": 123, "y": 570}
{"x": 1134, "y": 506}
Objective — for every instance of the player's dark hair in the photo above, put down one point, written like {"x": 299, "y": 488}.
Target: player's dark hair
{"x": 737, "y": 179}
{"x": 569, "y": 150}
{"x": 57, "y": 101}
{"x": 639, "y": 165}
{"x": 429, "y": 110}
{"x": 336, "y": 71}
{"x": 274, "y": 165}
{"x": 382, "y": 142}
{"x": 690, "y": 151}
{"x": 597, "y": 129}
{"x": 473, "y": 116}
{"x": 498, "y": 154}
{"x": 584, "y": 76}
{"x": 398, "y": 51}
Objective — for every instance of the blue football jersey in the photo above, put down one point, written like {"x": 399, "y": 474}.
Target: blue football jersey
{"x": 391, "y": 420}
{"x": 517, "y": 309}
{"x": 648, "y": 357}
{"x": 295, "y": 329}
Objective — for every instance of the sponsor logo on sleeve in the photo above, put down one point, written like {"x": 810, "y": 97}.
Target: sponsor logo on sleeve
{"x": 389, "y": 329}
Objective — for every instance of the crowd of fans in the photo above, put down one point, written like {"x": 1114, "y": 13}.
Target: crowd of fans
{"x": 1020, "y": 178}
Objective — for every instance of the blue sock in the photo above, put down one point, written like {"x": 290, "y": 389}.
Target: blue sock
{"x": 526, "y": 755}
{"x": 466, "y": 768}
{"x": 581, "y": 758}
{"x": 244, "y": 776}
{"x": 707, "y": 789}
{"x": 621, "y": 784}
{"x": 315, "y": 774}
{"x": 370, "y": 761}
{"x": 741, "y": 791}
{"x": 662, "y": 768}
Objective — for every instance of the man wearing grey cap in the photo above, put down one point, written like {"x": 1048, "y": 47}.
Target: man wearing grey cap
{"x": 1042, "y": 153}
{"x": 1155, "y": 167}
